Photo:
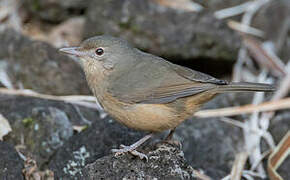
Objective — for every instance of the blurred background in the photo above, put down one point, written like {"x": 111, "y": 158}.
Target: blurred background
{"x": 50, "y": 126}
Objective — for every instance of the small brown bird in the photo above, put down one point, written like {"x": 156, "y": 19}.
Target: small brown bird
{"x": 146, "y": 92}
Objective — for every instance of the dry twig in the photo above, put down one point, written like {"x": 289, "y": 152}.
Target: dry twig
{"x": 252, "y": 132}
{"x": 246, "y": 20}
{"x": 278, "y": 156}
{"x": 282, "y": 91}
{"x": 242, "y": 28}
{"x": 31, "y": 171}
{"x": 232, "y": 11}
{"x": 4, "y": 78}
{"x": 262, "y": 57}
{"x": 185, "y": 5}
{"x": 5, "y": 127}
{"x": 9, "y": 15}
{"x": 246, "y": 109}
{"x": 200, "y": 175}
{"x": 238, "y": 167}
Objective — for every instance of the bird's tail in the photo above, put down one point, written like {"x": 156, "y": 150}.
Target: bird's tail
{"x": 245, "y": 86}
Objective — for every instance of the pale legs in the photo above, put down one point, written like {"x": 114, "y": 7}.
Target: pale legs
{"x": 132, "y": 148}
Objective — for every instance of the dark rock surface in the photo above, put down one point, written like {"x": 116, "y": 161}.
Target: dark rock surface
{"x": 274, "y": 19}
{"x": 38, "y": 66}
{"x": 46, "y": 126}
{"x": 283, "y": 170}
{"x": 11, "y": 164}
{"x": 89, "y": 145}
{"x": 209, "y": 143}
{"x": 166, "y": 162}
{"x": 280, "y": 125}
{"x": 163, "y": 31}
{"x": 54, "y": 11}
{"x": 43, "y": 125}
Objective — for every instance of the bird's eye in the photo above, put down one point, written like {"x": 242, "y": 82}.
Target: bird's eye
{"x": 99, "y": 51}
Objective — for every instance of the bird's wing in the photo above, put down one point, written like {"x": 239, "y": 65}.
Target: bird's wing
{"x": 157, "y": 81}
{"x": 195, "y": 75}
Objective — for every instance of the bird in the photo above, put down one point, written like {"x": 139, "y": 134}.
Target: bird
{"x": 146, "y": 92}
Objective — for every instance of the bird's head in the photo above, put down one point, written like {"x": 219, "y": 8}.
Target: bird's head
{"x": 101, "y": 52}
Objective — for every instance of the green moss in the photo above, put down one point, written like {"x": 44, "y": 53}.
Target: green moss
{"x": 135, "y": 29}
{"x": 130, "y": 25}
{"x": 124, "y": 25}
{"x": 30, "y": 142}
{"x": 35, "y": 5}
{"x": 85, "y": 127}
{"x": 28, "y": 122}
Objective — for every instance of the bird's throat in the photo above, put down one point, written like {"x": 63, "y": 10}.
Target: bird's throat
{"x": 95, "y": 76}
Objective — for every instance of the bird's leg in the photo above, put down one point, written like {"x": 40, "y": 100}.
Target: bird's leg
{"x": 132, "y": 148}
{"x": 170, "y": 135}
{"x": 169, "y": 139}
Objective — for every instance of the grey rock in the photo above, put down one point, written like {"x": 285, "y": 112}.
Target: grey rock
{"x": 89, "y": 145}
{"x": 165, "y": 162}
{"x": 67, "y": 33}
{"x": 42, "y": 125}
{"x": 38, "y": 66}
{"x": 283, "y": 170}
{"x": 54, "y": 11}
{"x": 11, "y": 164}
{"x": 163, "y": 31}
{"x": 280, "y": 125}
{"x": 209, "y": 143}
{"x": 274, "y": 19}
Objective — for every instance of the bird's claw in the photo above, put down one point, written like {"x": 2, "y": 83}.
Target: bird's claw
{"x": 125, "y": 149}
{"x": 140, "y": 155}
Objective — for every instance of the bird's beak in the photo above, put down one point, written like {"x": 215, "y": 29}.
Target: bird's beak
{"x": 76, "y": 51}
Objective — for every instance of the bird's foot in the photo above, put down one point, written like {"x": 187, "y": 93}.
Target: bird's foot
{"x": 131, "y": 149}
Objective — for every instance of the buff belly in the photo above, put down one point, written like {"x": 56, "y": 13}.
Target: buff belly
{"x": 146, "y": 117}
